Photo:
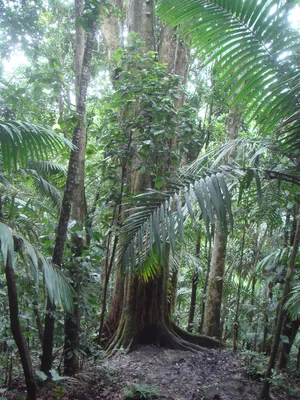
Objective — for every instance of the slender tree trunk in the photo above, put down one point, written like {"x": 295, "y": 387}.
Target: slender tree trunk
{"x": 228, "y": 277}
{"x": 15, "y": 325}
{"x": 290, "y": 330}
{"x": 265, "y": 394}
{"x": 83, "y": 54}
{"x": 17, "y": 331}
{"x": 194, "y": 288}
{"x": 203, "y": 303}
{"x": 212, "y": 322}
{"x": 265, "y": 321}
{"x": 237, "y": 311}
{"x": 71, "y": 184}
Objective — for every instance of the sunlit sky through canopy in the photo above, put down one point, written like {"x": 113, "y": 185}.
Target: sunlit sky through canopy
{"x": 18, "y": 58}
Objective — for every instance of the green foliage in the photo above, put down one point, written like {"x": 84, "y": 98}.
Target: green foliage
{"x": 21, "y": 141}
{"x": 140, "y": 119}
{"x": 255, "y": 364}
{"x": 262, "y": 76}
{"x": 18, "y": 22}
{"x": 7, "y": 244}
{"x": 59, "y": 291}
{"x": 293, "y": 303}
{"x": 158, "y": 216}
{"x": 135, "y": 391}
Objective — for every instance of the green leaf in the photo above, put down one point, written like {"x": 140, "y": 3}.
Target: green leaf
{"x": 20, "y": 141}
{"x": 55, "y": 376}
{"x": 43, "y": 377}
{"x": 7, "y": 244}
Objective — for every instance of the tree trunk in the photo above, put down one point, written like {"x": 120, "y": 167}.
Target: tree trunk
{"x": 83, "y": 53}
{"x": 173, "y": 290}
{"x": 200, "y": 329}
{"x": 111, "y": 29}
{"x": 15, "y": 325}
{"x": 140, "y": 309}
{"x": 140, "y": 19}
{"x": 145, "y": 317}
{"x": 228, "y": 276}
{"x": 290, "y": 330}
{"x": 237, "y": 311}
{"x": 265, "y": 394}
{"x": 194, "y": 288}
{"x": 212, "y": 323}
{"x": 17, "y": 331}
{"x": 82, "y": 75}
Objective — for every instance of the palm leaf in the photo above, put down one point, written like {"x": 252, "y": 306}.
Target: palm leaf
{"x": 247, "y": 40}
{"x": 293, "y": 303}
{"x": 48, "y": 168}
{"x": 7, "y": 244}
{"x": 46, "y": 190}
{"x": 59, "y": 290}
{"x": 22, "y": 141}
{"x": 158, "y": 217}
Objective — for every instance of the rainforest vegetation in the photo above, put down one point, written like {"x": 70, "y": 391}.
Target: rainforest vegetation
{"x": 149, "y": 188}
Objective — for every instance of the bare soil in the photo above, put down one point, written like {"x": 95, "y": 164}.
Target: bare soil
{"x": 160, "y": 374}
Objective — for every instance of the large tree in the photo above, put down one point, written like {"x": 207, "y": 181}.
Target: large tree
{"x": 140, "y": 309}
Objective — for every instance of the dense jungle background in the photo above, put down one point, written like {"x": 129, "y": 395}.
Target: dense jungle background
{"x": 149, "y": 199}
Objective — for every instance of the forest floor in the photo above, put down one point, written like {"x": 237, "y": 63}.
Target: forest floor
{"x": 155, "y": 373}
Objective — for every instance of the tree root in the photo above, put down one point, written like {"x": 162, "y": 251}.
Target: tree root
{"x": 166, "y": 337}
{"x": 200, "y": 340}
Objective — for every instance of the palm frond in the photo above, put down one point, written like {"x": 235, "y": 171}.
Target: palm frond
{"x": 22, "y": 141}
{"x": 253, "y": 46}
{"x": 7, "y": 244}
{"x": 293, "y": 303}
{"x": 59, "y": 290}
{"x": 274, "y": 259}
{"x": 158, "y": 217}
{"x": 47, "y": 168}
{"x": 183, "y": 257}
{"x": 46, "y": 190}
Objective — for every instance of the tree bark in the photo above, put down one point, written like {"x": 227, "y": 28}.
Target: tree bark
{"x": 204, "y": 290}
{"x": 140, "y": 19}
{"x": 83, "y": 55}
{"x": 111, "y": 29}
{"x": 194, "y": 288}
{"x": 17, "y": 331}
{"x": 212, "y": 323}
{"x": 237, "y": 311}
{"x": 290, "y": 330}
{"x": 15, "y": 325}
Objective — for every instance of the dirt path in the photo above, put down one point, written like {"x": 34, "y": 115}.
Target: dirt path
{"x": 180, "y": 375}
{"x": 158, "y": 374}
